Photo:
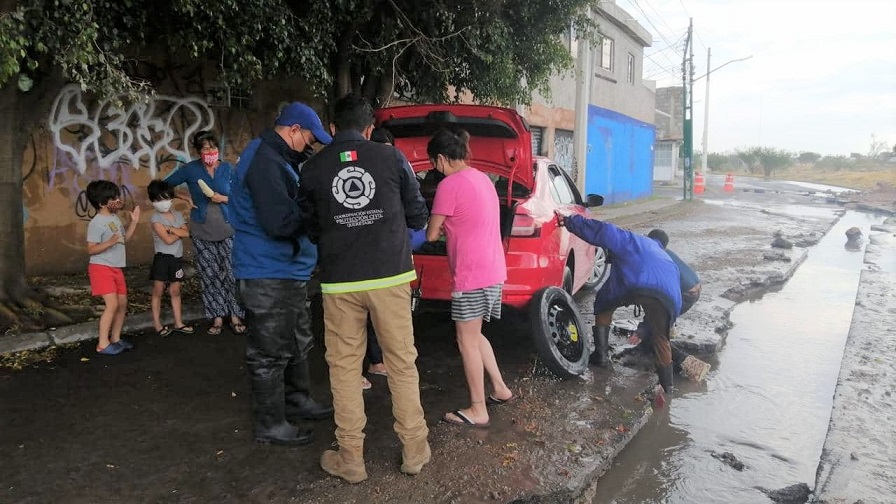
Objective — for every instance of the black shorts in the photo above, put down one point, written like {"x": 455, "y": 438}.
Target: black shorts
{"x": 166, "y": 268}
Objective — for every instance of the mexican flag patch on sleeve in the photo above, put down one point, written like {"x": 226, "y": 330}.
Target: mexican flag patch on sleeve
{"x": 348, "y": 156}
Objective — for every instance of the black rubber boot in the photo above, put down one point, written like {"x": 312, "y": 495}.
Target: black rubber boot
{"x": 270, "y": 419}
{"x": 299, "y": 404}
{"x": 601, "y": 355}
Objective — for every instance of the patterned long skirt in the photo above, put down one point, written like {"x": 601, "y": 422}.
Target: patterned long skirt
{"x": 216, "y": 273}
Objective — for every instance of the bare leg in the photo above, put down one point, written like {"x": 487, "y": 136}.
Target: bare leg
{"x": 118, "y": 321}
{"x": 107, "y": 319}
{"x": 174, "y": 293}
{"x": 158, "y": 290}
{"x": 491, "y": 368}
{"x": 469, "y": 333}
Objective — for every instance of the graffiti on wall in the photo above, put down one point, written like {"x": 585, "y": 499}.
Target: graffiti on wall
{"x": 563, "y": 151}
{"x": 147, "y": 134}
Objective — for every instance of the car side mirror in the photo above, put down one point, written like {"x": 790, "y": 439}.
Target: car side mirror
{"x": 594, "y": 200}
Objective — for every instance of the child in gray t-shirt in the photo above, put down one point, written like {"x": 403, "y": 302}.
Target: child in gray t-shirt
{"x": 168, "y": 232}
{"x": 106, "y": 237}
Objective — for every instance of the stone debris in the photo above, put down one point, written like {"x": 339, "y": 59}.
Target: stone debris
{"x": 728, "y": 458}
{"x": 793, "y": 494}
{"x": 776, "y": 256}
{"x": 780, "y": 242}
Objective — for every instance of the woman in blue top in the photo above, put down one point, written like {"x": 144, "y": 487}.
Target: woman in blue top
{"x": 211, "y": 232}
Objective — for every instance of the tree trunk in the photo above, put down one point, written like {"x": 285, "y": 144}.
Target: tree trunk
{"x": 13, "y": 128}
{"x": 343, "y": 65}
{"x": 19, "y": 308}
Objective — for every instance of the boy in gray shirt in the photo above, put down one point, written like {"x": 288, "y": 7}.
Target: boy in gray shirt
{"x": 106, "y": 237}
{"x": 168, "y": 232}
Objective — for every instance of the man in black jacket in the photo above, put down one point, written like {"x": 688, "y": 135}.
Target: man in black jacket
{"x": 272, "y": 262}
{"x": 361, "y": 197}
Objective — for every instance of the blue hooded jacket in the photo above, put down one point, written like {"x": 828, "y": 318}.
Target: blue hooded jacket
{"x": 640, "y": 266}
{"x": 270, "y": 238}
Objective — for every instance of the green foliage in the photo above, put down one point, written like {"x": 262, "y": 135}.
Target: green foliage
{"x": 809, "y": 157}
{"x": 100, "y": 43}
{"x": 834, "y": 162}
{"x": 765, "y": 159}
{"x": 498, "y": 51}
{"x": 718, "y": 162}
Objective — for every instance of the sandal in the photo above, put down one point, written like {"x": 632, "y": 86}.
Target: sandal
{"x": 214, "y": 330}
{"x": 463, "y": 420}
{"x": 186, "y": 329}
{"x": 164, "y": 332}
{"x": 238, "y": 328}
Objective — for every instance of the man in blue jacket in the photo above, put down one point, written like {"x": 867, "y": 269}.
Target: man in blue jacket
{"x": 642, "y": 274}
{"x": 689, "y": 284}
{"x": 272, "y": 262}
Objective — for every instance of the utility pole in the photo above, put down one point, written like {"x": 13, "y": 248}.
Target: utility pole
{"x": 704, "y": 158}
{"x": 583, "y": 98}
{"x": 687, "y": 84}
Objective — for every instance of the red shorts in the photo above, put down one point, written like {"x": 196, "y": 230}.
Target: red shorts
{"x": 106, "y": 280}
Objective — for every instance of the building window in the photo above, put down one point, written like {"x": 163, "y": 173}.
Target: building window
{"x": 630, "y": 72}
{"x": 662, "y": 154}
{"x": 537, "y": 136}
{"x": 606, "y": 54}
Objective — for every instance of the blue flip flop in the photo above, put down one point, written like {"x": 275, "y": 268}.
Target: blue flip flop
{"x": 111, "y": 349}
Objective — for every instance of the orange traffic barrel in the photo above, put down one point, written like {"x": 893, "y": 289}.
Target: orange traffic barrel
{"x": 699, "y": 183}
{"x": 729, "y": 183}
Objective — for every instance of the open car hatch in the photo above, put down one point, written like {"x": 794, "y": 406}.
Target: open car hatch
{"x": 500, "y": 139}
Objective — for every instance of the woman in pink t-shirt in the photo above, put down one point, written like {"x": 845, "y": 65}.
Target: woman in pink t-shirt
{"x": 466, "y": 209}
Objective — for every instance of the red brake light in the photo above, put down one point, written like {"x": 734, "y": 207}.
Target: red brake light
{"x": 525, "y": 225}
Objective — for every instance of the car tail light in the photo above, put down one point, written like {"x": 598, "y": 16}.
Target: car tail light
{"x": 525, "y": 225}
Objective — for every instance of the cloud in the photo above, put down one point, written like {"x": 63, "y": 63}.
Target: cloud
{"x": 822, "y": 76}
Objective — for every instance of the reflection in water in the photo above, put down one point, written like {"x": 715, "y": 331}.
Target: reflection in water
{"x": 767, "y": 400}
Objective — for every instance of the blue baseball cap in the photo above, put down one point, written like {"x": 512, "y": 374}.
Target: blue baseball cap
{"x": 306, "y": 117}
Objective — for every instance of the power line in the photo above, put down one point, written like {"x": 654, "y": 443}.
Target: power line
{"x": 634, "y": 3}
{"x": 700, "y": 39}
{"x": 660, "y": 16}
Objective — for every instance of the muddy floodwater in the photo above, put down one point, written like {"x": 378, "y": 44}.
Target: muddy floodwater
{"x": 767, "y": 400}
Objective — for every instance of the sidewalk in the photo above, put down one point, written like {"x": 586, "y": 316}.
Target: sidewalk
{"x": 860, "y": 448}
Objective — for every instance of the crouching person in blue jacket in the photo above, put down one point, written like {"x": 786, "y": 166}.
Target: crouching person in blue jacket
{"x": 642, "y": 274}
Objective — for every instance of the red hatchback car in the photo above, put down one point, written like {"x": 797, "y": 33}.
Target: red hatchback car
{"x": 546, "y": 264}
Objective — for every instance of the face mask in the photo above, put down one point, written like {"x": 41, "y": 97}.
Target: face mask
{"x": 114, "y": 206}
{"x": 162, "y": 206}
{"x": 209, "y": 158}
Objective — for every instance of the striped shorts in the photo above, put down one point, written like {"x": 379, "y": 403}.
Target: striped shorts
{"x": 469, "y": 305}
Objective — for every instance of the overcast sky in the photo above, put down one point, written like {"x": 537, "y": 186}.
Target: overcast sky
{"x": 822, "y": 76}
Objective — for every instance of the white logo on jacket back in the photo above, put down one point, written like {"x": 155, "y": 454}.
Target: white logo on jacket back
{"x": 353, "y": 187}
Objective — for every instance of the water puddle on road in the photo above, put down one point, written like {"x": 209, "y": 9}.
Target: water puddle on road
{"x": 767, "y": 400}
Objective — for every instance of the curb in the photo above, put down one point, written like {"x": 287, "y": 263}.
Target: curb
{"x": 85, "y": 331}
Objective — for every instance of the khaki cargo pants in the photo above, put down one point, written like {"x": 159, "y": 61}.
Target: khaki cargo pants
{"x": 345, "y": 319}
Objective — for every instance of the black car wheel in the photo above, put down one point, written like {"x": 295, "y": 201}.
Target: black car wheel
{"x": 567, "y": 279}
{"x": 561, "y": 338}
{"x": 600, "y": 270}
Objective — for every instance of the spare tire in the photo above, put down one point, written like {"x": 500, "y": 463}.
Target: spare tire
{"x": 561, "y": 338}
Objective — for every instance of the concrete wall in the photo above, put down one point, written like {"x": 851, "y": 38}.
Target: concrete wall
{"x": 610, "y": 88}
{"x": 83, "y": 140}
{"x": 669, "y": 113}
